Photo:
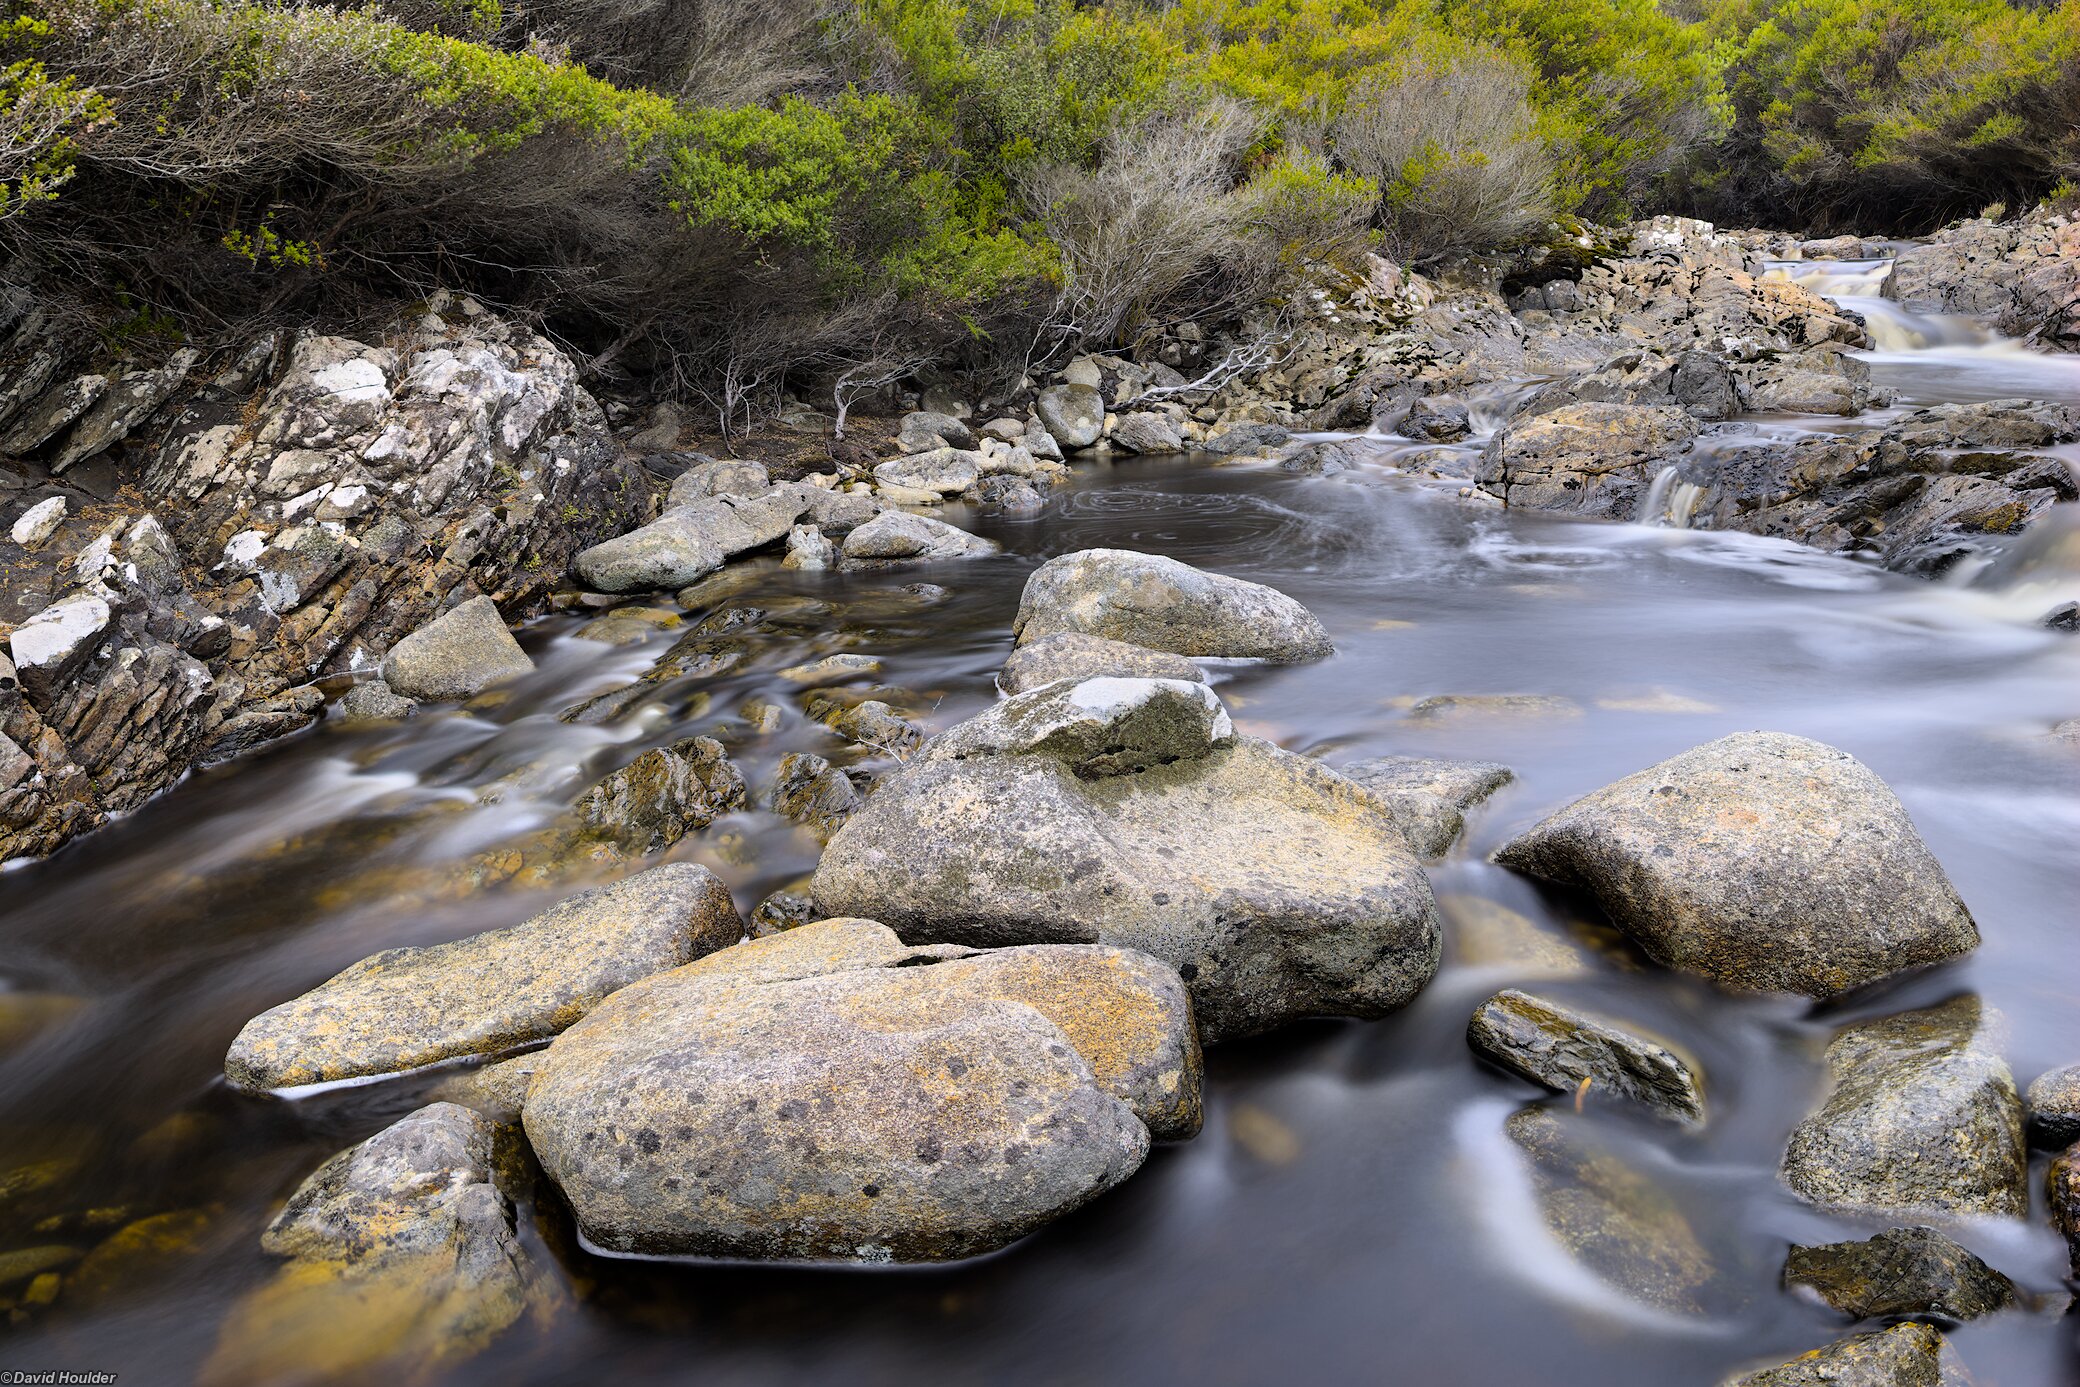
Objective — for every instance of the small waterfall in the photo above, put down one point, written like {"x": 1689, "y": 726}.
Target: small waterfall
{"x": 1670, "y": 502}
{"x": 1833, "y": 279}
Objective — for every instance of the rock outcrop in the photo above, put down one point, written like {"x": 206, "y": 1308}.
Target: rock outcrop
{"x": 2020, "y": 277}
{"x": 1128, "y": 812}
{"x": 1585, "y": 459}
{"x": 1765, "y": 862}
{"x": 829, "y": 1093}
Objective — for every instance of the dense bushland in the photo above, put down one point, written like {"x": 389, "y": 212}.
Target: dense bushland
{"x": 728, "y": 198}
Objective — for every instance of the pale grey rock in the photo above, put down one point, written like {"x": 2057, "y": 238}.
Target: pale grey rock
{"x": 1157, "y": 602}
{"x": 1073, "y": 655}
{"x": 1073, "y": 415}
{"x": 458, "y": 655}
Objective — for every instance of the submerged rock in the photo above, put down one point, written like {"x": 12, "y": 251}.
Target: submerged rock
{"x": 1617, "y": 1222}
{"x": 1128, "y": 812}
{"x": 373, "y": 700}
{"x": 1159, "y": 603}
{"x": 458, "y": 655}
{"x": 403, "y": 1009}
{"x": 1073, "y": 655}
{"x": 401, "y": 1258}
{"x": 829, "y": 1093}
{"x": 1903, "y": 1272}
{"x": 1762, "y": 861}
{"x": 2053, "y": 1101}
{"x": 810, "y": 791}
{"x": 1923, "y": 1115}
{"x": 1906, "y": 1355}
{"x": 1571, "y": 1052}
{"x": 1429, "y": 797}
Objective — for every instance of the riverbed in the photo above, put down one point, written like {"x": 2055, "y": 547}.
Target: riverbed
{"x": 1353, "y": 1210}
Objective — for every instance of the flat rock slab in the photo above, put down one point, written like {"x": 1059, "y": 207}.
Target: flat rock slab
{"x": 403, "y": 1009}
{"x": 1923, "y": 1116}
{"x": 1074, "y": 655}
{"x": 1906, "y": 1355}
{"x": 832, "y": 1094}
{"x": 457, "y": 655}
{"x": 1429, "y": 797}
{"x": 1127, "y": 812}
{"x": 1161, "y": 604}
{"x": 1904, "y": 1272}
{"x": 1765, "y": 862}
{"x": 1563, "y": 1050}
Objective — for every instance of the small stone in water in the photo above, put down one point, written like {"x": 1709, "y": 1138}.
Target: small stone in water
{"x": 1907, "y": 1271}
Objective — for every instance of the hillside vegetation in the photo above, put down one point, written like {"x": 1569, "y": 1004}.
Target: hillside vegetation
{"x": 725, "y": 198}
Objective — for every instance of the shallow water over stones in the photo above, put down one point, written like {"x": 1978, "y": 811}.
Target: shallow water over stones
{"x": 1355, "y": 1198}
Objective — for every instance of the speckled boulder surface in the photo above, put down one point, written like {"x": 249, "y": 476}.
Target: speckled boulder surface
{"x": 830, "y": 1093}
{"x": 1277, "y": 888}
{"x": 1162, "y": 604}
{"x": 2053, "y": 1101}
{"x": 1561, "y": 1048}
{"x": 1906, "y": 1355}
{"x": 405, "y": 1008}
{"x": 1073, "y": 655}
{"x": 1585, "y": 459}
{"x": 1905, "y": 1271}
{"x": 1923, "y": 1115}
{"x": 401, "y": 1255}
{"x": 1762, "y": 861}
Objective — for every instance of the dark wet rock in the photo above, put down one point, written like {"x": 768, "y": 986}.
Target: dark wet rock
{"x": 403, "y": 1009}
{"x": 869, "y": 722}
{"x": 1073, "y": 415}
{"x": 2053, "y": 1102}
{"x": 895, "y": 538}
{"x": 458, "y": 655}
{"x": 1147, "y": 433}
{"x": 1127, "y": 812}
{"x": 1009, "y": 494}
{"x": 1074, "y": 655}
{"x": 1619, "y": 1223}
{"x": 258, "y": 723}
{"x": 714, "y": 645}
{"x": 1923, "y": 1115}
{"x": 1429, "y": 797}
{"x": 1571, "y": 1052}
{"x": 1159, "y": 603}
{"x": 1246, "y": 439}
{"x": 373, "y": 700}
{"x": 783, "y": 910}
{"x": 1437, "y": 419}
{"x": 1763, "y": 861}
{"x": 2064, "y": 617}
{"x": 657, "y": 799}
{"x": 810, "y": 791}
{"x": 832, "y": 1094}
{"x": 1901, "y": 1273}
{"x": 1906, "y": 1355}
{"x": 1584, "y": 459}
{"x": 2062, "y": 1192}
{"x": 401, "y": 1258}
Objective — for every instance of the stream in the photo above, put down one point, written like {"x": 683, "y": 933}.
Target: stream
{"x": 1353, "y": 1209}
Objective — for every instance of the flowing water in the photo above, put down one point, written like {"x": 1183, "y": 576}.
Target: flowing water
{"x": 1352, "y": 1210}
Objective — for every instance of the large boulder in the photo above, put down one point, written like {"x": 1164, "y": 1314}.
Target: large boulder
{"x": 1073, "y": 415}
{"x": 692, "y": 540}
{"x": 401, "y": 1256}
{"x": 1147, "y": 432}
{"x": 1159, "y": 603}
{"x": 1585, "y": 459}
{"x": 459, "y": 654}
{"x": 1923, "y": 1115}
{"x": 403, "y": 1009}
{"x": 897, "y": 538}
{"x": 941, "y": 471}
{"x": 1128, "y": 812}
{"x": 829, "y": 1093}
{"x": 1073, "y": 655}
{"x": 1762, "y": 861}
